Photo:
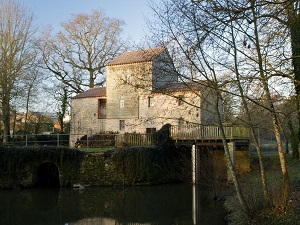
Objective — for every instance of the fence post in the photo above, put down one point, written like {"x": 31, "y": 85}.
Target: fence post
{"x": 87, "y": 141}
{"x": 57, "y": 139}
{"x": 26, "y": 140}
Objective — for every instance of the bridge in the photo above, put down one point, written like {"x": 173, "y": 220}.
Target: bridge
{"x": 207, "y": 148}
{"x": 208, "y": 132}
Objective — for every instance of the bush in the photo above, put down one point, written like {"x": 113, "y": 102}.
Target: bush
{"x": 97, "y": 140}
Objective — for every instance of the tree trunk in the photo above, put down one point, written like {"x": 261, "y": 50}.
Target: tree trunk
{"x": 294, "y": 27}
{"x": 250, "y": 122}
{"x": 6, "y": 118}
{"x": 286, "y": 180}
{"x": 92, "y": 79}
{"x": 276, "y": 125}
{"x": 230, "y": 165}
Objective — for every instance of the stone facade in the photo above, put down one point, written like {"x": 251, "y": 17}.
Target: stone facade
{"x": 85, "y": 114}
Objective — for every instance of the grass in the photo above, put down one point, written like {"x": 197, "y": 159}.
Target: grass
{"x": 96, "y": 149}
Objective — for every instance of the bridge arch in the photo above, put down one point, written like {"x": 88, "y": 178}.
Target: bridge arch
{"x": 47, "y": 175}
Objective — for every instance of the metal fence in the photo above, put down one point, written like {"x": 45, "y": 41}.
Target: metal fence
{"x": 37, "y": 140}
{"x": 83, "y": 140}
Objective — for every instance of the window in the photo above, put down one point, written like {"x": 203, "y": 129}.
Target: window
{"x": 128, "y": 78}
{"x": 150, "y": 130}
{"x": 150, "y": 101}
{"x": 180, "y": 123}
{"x": 121, "y": 102}
{"x": 122, "y": 125}
{"x": 101, "y": 108}
{"x": 180, "y": 99}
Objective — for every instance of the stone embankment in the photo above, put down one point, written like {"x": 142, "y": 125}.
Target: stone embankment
{"x": 24, "y": 167}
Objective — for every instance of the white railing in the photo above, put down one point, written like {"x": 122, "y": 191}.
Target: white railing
{"x": 201, "y": 132}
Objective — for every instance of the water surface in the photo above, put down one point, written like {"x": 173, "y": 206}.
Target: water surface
{"x": 176, "y": 204}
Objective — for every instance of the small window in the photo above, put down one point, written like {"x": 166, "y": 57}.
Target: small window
{"x": 180, "y": 100}
{"x": 122, "y": 125}
{"x": 180, "y": 123}
{"x": 121, "y": 102}
{"x": 128, "y": 78}
{"x": 150, "y": 130}
{"x": 101, "y": 108}
{"x": 150, "y": 101}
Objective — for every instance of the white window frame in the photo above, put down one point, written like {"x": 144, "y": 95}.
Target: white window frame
{"x": 121, "y": 102}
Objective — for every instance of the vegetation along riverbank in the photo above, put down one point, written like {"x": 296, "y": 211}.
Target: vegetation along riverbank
{"x": 251, "y": 185}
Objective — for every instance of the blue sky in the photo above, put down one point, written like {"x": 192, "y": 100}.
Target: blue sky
{"x": 132, "y": 12}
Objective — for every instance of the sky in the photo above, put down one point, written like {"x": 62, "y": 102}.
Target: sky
{"x": 132, "y": 12}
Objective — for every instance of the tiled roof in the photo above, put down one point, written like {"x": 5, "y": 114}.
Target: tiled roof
{"x": 181, "y": 86}
{"x": 138, "y": 56}
{"x": 93, "y": 92}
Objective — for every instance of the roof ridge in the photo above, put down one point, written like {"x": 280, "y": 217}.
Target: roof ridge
{"x": 137, "y": 56}
{"x": 92, "y": 92}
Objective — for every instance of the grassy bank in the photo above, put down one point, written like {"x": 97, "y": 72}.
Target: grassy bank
{"x": 253, "y": 193}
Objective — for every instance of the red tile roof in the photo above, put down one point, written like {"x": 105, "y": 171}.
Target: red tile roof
{"x": 138, "y": 56}
{"x": 92, "y": 93}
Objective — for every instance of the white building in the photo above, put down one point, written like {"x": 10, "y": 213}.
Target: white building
{"x": 142, "y": 94}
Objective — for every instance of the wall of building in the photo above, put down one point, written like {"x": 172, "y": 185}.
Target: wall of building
{"x": 167, "y": 107}
{"x": 126, "y": 82}
{"x": 208, "y": 106}
{"x": 163, "y": 71}
{"x": 146, "y": 110}
{"x": 84, "y": 118}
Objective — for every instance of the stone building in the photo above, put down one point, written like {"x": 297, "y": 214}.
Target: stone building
{"x": 142, "y": 94}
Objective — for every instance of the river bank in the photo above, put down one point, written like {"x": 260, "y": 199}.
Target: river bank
{"x": 253, "y": 193}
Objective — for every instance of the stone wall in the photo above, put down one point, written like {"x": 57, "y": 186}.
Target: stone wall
{"x": 19, "y": 167}
{"x": 85, "y": 119}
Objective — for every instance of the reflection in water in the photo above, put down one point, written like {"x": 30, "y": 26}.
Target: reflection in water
{"x": 154, "y": 205}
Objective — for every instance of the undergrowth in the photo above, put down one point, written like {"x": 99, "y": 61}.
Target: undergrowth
{"x": 261, "y": 213}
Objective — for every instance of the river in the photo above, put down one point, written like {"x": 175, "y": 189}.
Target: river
{"x": 172, "y": 204}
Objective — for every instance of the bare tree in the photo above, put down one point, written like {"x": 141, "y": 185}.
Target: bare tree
{"x": 29, "y": 86}
{"x": 291, "y": 19}
{"x": 78, "y": 54}
{"x": 62, "y": 95}
{"x": 16, "y": 31}
{"x": 196, "y": 33}
{"x": 237, "y": 38}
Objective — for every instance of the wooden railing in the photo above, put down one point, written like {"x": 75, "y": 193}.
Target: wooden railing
{"x": 189, "y": 132}
{"x": 202, "y": 132}
{"x": 134, "y": 139}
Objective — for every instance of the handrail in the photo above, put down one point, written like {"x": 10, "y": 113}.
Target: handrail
{"x": 198, "y": 132}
